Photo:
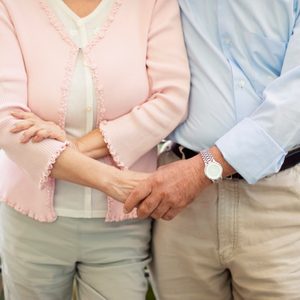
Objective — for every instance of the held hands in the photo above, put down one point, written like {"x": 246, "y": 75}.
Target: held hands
{"x": 122, "y": 183}
{"x": 118, "y": 184}
{"x": 36, "y": 129}
{"x": 169, "y": 190}
{"x": 173, "y": 187}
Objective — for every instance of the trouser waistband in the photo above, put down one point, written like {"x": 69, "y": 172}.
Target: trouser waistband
{"x": 291, "y": 159}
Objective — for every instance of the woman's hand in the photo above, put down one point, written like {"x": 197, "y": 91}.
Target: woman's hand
{"x": 123, "y": 182}
{"x": 92, "y": 144}
{"x": 36, "y": 129}
{"x": 75, "y": 167}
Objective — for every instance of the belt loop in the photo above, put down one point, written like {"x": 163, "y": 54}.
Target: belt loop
{"x": 180, "y": 148}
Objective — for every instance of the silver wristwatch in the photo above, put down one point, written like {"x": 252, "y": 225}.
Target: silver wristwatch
{"x": 212, "y": 169}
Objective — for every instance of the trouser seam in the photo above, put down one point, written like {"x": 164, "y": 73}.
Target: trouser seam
{"x": 236, "y": 217}
{"x": 226, "y": 254}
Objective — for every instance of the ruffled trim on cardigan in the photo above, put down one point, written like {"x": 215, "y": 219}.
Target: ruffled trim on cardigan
{"x": 112, "y": 216}
{"x": 115, "y": 156}
{"x": 45, "y": 176}
{"x": 65, "y": 88}
{"x": 46, "y": 219}
{"x": 109, "y": 20}
{"x": 56, "y": 23}
{"x": 69, "y": 69}
{"x": 61, "y": 30}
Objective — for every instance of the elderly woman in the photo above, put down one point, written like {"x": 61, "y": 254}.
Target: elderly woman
{"x": 85, "y": 87}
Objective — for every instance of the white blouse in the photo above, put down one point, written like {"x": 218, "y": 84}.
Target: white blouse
{"x": 71, "y": 200}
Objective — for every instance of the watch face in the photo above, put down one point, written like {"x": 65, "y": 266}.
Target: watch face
{"x": 213, "y": 171}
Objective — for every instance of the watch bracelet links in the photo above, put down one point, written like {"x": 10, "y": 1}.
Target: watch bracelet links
{"x": 291, "y": 159}
{"x": 207, "y": 156}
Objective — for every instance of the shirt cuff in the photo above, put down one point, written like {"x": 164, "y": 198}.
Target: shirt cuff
{"x": 251, "y": 151}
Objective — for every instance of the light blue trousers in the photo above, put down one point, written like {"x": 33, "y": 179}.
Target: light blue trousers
{"x": 41, "y": 260}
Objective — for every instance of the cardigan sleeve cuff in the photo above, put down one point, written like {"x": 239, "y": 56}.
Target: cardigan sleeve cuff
{"x": 48, "y": 169}
{"x": 110, "y": 146}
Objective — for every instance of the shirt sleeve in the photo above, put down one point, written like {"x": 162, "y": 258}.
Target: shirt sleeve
{"x": 35, "y": 159}
{"x": 256, "y": 146}
{"x": 132, "y": 135}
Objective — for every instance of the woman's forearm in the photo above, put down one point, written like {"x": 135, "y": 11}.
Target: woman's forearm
{"x": 35, "y": 129}
{"x": 76, "y": 167}
{"x": 92, "y": 144}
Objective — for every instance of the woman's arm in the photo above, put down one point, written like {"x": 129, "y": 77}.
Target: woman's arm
{"x": 51, "y": 156}
{"x": 92, "y": 144}
{"x": 135, "y": 133}
{"x": 149, "y": 123}
{"x": 35, "y": 130}
{"x": 78, "y": 168}
{"x": 74, "y": 166}
{"x": 34, "y": 159}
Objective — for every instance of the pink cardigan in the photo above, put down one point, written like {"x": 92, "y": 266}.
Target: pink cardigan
{"x": 141, "y": 75}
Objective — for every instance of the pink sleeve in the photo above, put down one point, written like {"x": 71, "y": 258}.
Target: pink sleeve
{"x": 35, "y": 159}
{"x": 132, "y": 135}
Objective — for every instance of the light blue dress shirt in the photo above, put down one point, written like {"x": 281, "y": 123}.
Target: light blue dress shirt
{"x": 245, "y": 91}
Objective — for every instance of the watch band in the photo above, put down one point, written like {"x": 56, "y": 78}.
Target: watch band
{"x": 212, "y": 169}
{"x": 207, "y": 156}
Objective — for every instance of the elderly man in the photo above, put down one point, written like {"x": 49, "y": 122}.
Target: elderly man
{"x": 232, "y": 178}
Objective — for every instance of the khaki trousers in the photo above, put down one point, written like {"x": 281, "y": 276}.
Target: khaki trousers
{"x": 41, "y": 260}
{"x": 235, "y": 241}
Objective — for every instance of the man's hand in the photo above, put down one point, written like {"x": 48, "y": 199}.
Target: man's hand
{"x": 169, "y": 190}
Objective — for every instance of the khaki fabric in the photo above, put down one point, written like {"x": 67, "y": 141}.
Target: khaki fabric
{"x": 235, "y": 241}
{"x": 41, "y": 260}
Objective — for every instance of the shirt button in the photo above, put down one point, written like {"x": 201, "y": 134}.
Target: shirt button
{"x": 89, "y": 109}
{"x": 242, "y": 83}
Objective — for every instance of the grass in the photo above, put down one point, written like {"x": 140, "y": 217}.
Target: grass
{"x": 150, "y": 295}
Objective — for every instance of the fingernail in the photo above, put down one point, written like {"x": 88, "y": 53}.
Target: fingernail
{"x": 125, "y": 210}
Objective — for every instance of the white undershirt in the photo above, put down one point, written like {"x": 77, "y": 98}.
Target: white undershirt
{"x": 73, "y": 200}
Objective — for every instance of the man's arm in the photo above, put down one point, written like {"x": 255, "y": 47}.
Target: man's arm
{"x": 256, "y": 146}
{"x": 172, "y": 187}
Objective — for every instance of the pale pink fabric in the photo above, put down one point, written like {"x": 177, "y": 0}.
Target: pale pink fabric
{"x": 141, "y": 75}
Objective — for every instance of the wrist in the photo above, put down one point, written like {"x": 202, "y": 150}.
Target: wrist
{"x": 115, "y": 184}
{"x": 213, "y": 170}
{"x": 107, "y": 178}
{"x": 201, "y": 180}
{"x": 218, "y": 156}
